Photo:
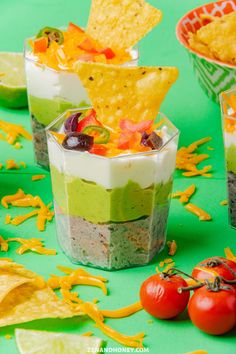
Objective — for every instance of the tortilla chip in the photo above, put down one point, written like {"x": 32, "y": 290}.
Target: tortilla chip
{"x": 219, "y": 37}
{"x": 125, "y": 92}
{"x": 8, "y": 282}
{"x": 26, "y": 297}
{"x": 198, "y": 46}
{"x": 120, "y": 24}
{"x": 26, "y": 303}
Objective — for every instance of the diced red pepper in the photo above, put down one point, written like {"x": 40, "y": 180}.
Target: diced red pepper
{"x": 87, "y": 46}
{"x": 40, "y": 45}
{"x": 73, "y": 27}
{"x": 98, "y": 150}
{"x": 90, "y": 119}
{"x": 108, "y": 52}
{"x": 129, "y": 125}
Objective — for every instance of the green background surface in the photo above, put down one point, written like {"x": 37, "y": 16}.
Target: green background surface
{"x": 195, "y": 115}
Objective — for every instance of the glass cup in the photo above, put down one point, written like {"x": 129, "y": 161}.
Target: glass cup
{"x": 50, "y": 93}
{"x": 111, "y": 213}
{"x": 229, "y": 131}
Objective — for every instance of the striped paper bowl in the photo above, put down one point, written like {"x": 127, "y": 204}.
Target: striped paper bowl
{"x": 214, "y": 76}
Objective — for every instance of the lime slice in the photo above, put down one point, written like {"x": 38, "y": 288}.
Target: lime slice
{"x": 12, "y": 80}
{"x": 42, "y": 342}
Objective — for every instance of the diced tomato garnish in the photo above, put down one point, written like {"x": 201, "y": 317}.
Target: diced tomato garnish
{"x": 40, "y": 44}
{"x": 128, "y": 140}
{"x": 108, "y": 52}
{"x": 129, "y": 125}
{"x": 73, "y": 27}
{"x": 90, "y": 119}
{"x": 98, "y": 150}
{"x": 87, "y": 46}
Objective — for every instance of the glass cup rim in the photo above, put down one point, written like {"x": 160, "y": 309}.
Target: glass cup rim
{"x": 138, "y": 154}
{"x": 227, "y": 92}
{"x": 134, "y": 49}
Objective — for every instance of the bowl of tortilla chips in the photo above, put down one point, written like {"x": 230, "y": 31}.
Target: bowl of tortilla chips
{"x": 209, "y": 35}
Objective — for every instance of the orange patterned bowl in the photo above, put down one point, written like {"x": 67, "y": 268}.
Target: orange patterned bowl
{"x": 214, "y": 76}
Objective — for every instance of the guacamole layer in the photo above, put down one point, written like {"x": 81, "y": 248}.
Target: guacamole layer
{"x": 96, "y": 204}
{"x": 231, "y": 158}
{"x": 46, "y": 110}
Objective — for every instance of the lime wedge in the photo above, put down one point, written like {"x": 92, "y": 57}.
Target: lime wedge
{"x": 42, "y": 342}
{"x": 12, "y": 80}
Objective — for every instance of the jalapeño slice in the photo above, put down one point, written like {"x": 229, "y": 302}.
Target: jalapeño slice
{"x": 53, "y": 35}
{"x": 100, "y": 134}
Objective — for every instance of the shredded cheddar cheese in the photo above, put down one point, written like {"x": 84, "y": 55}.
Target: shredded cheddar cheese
{"x": 87, "y": 334}
{"x": 185, "y": 195}
{"x": 229, "y": 254}
{"x": 187, "y": 159}
{"x": 172, "y": 245}
{"x": 91, "y": 310}
{"x": 12, "y": 165}
{"x": 202, "y": 215}
{"x": 33, "y": 244}
{"x": 224, "y": 202}
{"x": 123, "y": 312}
{"x": 14, "y": 132}
{"x": 8, "y": 219}
{"x": 38, "y": 177}
{"x": 3, "y": 244}
{"x": 59, "y": 137}
{"x": 10, "y": 198}
{"x": 20, "y": 199}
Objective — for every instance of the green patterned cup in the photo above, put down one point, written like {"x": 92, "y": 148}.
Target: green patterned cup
{"x": 213, "y": 75}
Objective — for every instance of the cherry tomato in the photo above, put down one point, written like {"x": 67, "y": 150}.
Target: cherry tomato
{"x": 213, "y": 311}
{"x": 214, "y": 266}
{"x": 90, "y": 119}
{"x": 160, "y": 297}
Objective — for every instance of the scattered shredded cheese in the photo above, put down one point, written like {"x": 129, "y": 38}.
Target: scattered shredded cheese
{"x": 229, "y": 254}
{"x": 87, "y": 334}
{"x": 224, "y": 202}
{"x": 33, "y": 244}
{"x": 37, "y": 177}
{"x": 20, "y": 199}
{"x": 3, "y": 244}
{"x": 91, "y": 310}
{"x": 12, "y": 165}
{"x": 14, "y": 132}
{"x": 75, "y": 278}
{"x": 185, "y": 195}
{"x": 202, "y": 215}
{"x": 210, "y": 148}
{"x": 123, "y": 312}
{"x": 8, "y": 219}
{"x": 187, "y": 159}
{"x": 172, "y": 245}
{"x": 9, "y": 198}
